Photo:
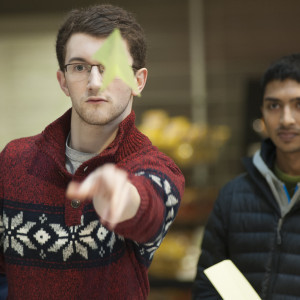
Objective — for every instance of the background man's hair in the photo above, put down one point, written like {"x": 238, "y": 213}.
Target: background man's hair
{"x": 287, "y": 67}
{"x": 100, "y": 21}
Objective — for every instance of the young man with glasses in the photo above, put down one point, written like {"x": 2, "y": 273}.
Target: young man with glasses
{"x": 86, "y": 203}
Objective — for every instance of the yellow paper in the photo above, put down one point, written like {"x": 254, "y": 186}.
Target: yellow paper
{"x": 230, "y": 283}
{"x": 113, "y": 56}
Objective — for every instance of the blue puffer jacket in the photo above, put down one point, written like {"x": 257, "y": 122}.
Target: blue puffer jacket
{"x": 255, "y": 226}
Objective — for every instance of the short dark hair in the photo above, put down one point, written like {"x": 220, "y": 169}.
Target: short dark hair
{"x": 287, "y": 67}
{"x": 100, "y": 21}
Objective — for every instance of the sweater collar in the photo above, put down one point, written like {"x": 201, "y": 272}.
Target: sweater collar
{"x": 128, "y": 140}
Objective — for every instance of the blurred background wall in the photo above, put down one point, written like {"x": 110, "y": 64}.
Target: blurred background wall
{"x": 205, "y": 60}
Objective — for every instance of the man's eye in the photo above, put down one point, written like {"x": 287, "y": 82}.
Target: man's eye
{"x": 274, "y": 106}
{"x": 80, "y": 68}
{"x": 101, "y": 69}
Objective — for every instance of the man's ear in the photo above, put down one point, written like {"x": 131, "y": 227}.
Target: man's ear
{"x": 62, "y": 82}
{"x": 141, "y": 78}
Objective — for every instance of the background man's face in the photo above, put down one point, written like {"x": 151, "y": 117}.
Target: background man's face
{"x": 281, "y": 114}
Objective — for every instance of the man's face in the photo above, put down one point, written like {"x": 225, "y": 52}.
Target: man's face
{"x": 281, "y": 114}
{"x": 89, "y": 105}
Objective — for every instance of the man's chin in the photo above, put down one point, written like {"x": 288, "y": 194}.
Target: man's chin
{"x": 289, "y": 149}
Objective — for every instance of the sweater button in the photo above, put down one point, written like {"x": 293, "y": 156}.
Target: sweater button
{"x": 75, "y": 203}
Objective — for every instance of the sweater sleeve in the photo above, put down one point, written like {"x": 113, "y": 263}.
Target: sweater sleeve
{"x": 1, "y": 210}
{"x": 160, "y": 184}
{"x": 3, "y": 281}
{"x": 213, "y": 248}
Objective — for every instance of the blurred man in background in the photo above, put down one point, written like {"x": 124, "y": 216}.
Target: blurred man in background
{"x": 85, "y": 204}
{"x": 255, "y": 220}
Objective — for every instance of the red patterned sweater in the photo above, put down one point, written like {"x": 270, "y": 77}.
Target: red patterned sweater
{"x": 50, "y": 250}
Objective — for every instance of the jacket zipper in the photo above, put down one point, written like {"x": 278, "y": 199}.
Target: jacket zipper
{"x": 279, "y": 225}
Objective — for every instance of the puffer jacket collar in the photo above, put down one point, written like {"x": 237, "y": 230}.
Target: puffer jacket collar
{"x": 268, "y": 152}
{"x": 260, "y": 170}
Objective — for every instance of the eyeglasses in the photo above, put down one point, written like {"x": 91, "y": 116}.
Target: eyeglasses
{"x": 81, "y": 71}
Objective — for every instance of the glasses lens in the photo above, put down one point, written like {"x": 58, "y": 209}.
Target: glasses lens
{"x": 81, "y": 71}
{"x": 78, "y": 72}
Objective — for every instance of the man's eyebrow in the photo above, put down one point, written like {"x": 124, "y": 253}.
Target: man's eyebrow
{"x": 271, "y": 99}
{"x": 76, "y": 59}
{"x": 276, "y": 99}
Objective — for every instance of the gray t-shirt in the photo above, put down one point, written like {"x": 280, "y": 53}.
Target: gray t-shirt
{"x": 74, "y": 158}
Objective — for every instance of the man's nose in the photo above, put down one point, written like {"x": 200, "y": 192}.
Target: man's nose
{"x": 287, "y": 117}
{"x": 95, "y": 78}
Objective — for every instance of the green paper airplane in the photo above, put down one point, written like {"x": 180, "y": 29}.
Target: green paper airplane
{"x": 113, "y": 56}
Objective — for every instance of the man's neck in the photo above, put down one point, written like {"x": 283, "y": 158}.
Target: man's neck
{"x": 91, "y": 138}
{"x": 289, "y": 163}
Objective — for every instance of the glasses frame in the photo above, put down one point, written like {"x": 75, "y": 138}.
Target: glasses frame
{"x": 135, "y": 69}
{"x": 92, "y": 65}
{"x": 84, "y": 63}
